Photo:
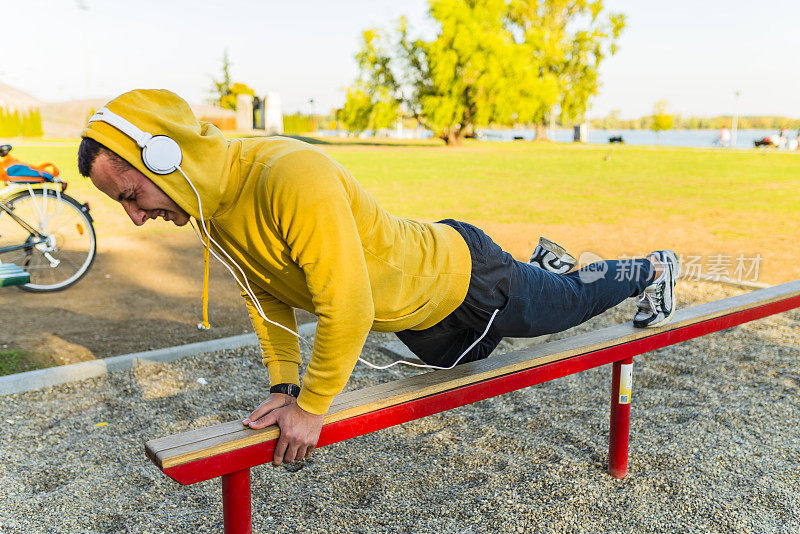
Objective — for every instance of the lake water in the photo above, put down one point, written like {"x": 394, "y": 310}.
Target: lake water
{"x": 688, "y": 138}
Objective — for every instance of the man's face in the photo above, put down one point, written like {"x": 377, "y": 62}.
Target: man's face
{"x": 140, "y": 197}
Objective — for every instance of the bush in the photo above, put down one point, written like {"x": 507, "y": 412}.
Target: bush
{"x": 298, "y": 124}
{"x": 10, "y": 123}
{"x": 29, "y": 124}
{"x": 32, "y": 124}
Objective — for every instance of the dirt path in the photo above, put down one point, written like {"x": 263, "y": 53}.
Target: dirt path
{"x": 142, "y": 293}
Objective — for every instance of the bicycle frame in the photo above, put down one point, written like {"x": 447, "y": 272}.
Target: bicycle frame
{"x": 39, "y": 235}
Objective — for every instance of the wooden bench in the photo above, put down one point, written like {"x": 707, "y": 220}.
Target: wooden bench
{"x": 229, "y": 450}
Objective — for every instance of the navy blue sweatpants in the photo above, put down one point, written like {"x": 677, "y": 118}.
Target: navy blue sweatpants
{"x": 530, "y": 300}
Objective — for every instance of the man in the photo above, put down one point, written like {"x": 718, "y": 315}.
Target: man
{"x": 299, "y": 232}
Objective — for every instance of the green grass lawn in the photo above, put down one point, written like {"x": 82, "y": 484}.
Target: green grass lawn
{"x": 561, "y": 183}
{"x": 590, "y": 196}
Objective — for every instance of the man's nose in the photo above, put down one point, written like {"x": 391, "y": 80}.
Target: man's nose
{"x": 138, "y": 216}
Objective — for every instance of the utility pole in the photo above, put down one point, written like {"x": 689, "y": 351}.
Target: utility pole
{"x": 734, "y": 129}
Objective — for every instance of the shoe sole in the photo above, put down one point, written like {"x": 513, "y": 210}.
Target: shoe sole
{"x": 662, "y": 322}
{"x": 674, "y": 275}
{"x": 561, "y": 255}
{"x": 555, "y": 248}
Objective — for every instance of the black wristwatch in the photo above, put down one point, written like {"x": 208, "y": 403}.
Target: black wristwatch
{"x": 286, "y": 389}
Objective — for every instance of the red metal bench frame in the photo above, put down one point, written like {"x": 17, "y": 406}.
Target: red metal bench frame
{"x": 234, "y": 465}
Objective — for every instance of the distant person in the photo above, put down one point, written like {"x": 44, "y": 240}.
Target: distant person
{"x": 298, "y": 231}
{"x": 724, "y": 138}
{"x": 783, "y": 138}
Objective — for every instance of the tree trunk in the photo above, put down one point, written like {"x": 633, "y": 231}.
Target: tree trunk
{"x": 541, "y": 133}
{"x": 453, "y": 138}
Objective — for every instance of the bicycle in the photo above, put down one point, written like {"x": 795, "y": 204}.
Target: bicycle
{"x": 47, "y": 238}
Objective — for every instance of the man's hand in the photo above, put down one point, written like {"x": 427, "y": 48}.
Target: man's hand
{"x": 299, "y": 428}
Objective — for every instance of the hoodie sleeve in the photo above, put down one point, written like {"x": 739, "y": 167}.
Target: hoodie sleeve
{"x": 311, "y": 208}
{"x": 279, "y": 349}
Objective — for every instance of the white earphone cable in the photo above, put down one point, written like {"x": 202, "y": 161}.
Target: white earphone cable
{"x": 245, "y": 286}
{"x": 425, "y": 365}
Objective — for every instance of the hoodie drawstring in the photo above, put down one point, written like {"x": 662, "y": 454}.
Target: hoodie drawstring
{"x": 205, "y": 325}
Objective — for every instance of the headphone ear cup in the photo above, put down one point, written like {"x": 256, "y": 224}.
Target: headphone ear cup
{"x": 161, "y": 154}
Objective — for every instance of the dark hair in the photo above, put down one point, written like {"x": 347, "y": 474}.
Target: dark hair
{"x": 88, "y": 152}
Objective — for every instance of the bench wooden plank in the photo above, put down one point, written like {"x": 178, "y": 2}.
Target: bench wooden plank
{"x": 189, "y": 446}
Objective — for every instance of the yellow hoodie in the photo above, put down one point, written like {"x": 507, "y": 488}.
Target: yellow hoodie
{"x": 307, "y": 236}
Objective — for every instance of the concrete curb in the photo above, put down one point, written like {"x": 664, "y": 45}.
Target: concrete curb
{"x": 41, "y": 378}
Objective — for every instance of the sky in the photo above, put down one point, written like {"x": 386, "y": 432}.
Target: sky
{"x": 695, "y": 55}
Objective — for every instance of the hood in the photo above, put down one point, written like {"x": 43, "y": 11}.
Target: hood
{"x": 203, "y": 146}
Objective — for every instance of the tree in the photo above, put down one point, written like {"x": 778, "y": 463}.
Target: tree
{"x": 372, "y": 102}
{"x": 31, "y": 125}
{"x": 471, "y": 75}
{"x": 661, "y": 120}
{"x": 568, "y": 40}
{"x": 222, "y": 87}
{"x": 492, "y": 62}
{"x": 224, "y": 91}
{"x": 468, "y": 76}
{"x": 10, "y": 123}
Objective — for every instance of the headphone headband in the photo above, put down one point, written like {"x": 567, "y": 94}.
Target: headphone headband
{"x": 160, "y": 153}
{"x": 125, "y": 126}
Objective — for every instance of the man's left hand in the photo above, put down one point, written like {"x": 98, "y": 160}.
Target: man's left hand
{"x": 299, "y": 429}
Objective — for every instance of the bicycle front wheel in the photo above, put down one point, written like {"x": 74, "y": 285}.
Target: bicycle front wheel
{"x": 68, "y": 248}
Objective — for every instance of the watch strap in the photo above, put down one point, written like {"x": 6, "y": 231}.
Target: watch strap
{"x": 286, "y": 389}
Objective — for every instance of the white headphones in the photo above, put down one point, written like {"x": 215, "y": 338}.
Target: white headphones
{"x": 160, "y": 153}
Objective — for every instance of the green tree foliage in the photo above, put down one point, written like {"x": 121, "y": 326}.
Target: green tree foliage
{"x": 10, "y": 123}
{"x": 224, "y": 91}
{"x": 661, "y": 119}
{"x": 31, "y": 124}
{"x": 14, "y": 124}
{"x": 222, "y": 87}
{"x": 298, "y": 124}
{"x": 229, "y": 100}
{"x": 568, "y": 40}
{"x": 357, "y": 110}
{"x": 492, "y": 62}
{"x": 472, "y": 74}
{"x": 371, "y": 102}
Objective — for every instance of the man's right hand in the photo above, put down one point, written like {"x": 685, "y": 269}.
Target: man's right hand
{"x": 300, "y": 430}
{"x": 274, "y": 401}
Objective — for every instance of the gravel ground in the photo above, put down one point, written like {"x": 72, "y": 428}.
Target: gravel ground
{"x": 715, "y": 447}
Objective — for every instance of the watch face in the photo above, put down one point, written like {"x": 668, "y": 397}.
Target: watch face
{"x": 286, "y": 389}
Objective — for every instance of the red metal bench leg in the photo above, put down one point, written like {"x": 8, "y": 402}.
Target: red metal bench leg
{"x": 236, "y": 502}
{"x": 621, "y": 382}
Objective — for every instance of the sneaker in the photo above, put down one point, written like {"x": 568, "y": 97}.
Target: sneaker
{"x": 656, "y": 305}
{"x": 551, "y": 257}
